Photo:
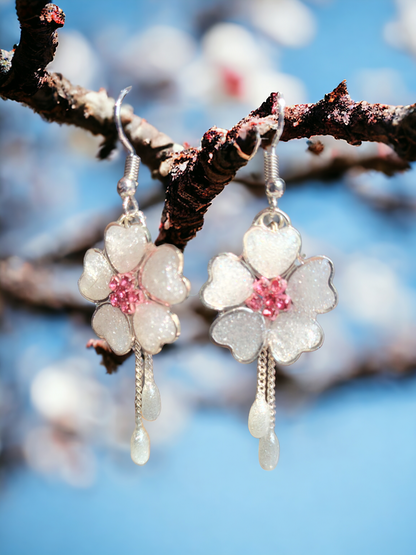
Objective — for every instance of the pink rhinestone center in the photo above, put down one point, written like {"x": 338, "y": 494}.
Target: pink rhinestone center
{"x": 269, "y": 297}
{"x": 125, "y": 295}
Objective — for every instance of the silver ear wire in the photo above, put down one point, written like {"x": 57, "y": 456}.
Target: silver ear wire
{"x": 127, "y": 185}
{"x": 275, "y": 186}
{"x": 117, "y": 109}
{"x": 280, "y": 121}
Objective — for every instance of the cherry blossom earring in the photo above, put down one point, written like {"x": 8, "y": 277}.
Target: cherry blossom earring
{"x": 133, "y": 284}
{"x": 268, "y": 300}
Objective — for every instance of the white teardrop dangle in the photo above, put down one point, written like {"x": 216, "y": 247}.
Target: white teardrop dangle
{"x": 259, "y": 416}
{"x": 151, "y": 403}
{"x": 269, "y": 447}
{"x": 140, "y": 444}
{"x": 269, "y": 450}
{"x": 140, "y": 441}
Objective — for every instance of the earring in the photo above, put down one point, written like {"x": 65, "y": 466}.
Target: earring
{"x": 268, "y": 300}
{"x": 133, "y": 284}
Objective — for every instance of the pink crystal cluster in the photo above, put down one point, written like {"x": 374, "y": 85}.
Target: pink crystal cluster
{"x": 125, "y": 294}
{"x": 269, "y": 297}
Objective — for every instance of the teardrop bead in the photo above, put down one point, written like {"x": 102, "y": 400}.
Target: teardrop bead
{"x": 269, "y": 451}
{"x": 259, "y": 418}
{"x": 151, "y": 404}
{"x": 140, "y": 445}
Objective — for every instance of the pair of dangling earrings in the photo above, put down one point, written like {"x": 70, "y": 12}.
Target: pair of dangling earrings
{"x": 268, "y": 298}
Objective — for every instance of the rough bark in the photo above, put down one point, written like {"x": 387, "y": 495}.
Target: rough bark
{"x": 193, "y": 177}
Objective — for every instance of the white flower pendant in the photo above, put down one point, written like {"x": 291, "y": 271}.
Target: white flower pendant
{"x": 269, "y": 299}
{"x": 134, "y": 283}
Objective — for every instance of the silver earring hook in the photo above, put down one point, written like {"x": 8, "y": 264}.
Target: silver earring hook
{"x": 280, "y": 122}
{"x": 117, "y": 118}
{"x": 275, "y": 186}
{"x": 127, "y": 185}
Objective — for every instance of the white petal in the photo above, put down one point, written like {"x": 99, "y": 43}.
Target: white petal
{"x": 230, "y": 282}
{"x": 111, "y": 324}
{"x": 126, "y": 246}
{"x": 154, "y": 326}
{"x": 242, "y": 331}
{"x": 271, "y": 253}
{"x": 93, "y": 284}
{"x": 162, "y": 275}
{"x": 293, "y": 333}
{"x": 310, "y": 286}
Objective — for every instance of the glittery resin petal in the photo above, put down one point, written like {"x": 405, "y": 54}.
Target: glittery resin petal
{"x": 242, "y": 331}
{"x": 111, "y": 324}
{"x": 293, "y": 333}
{"x": 126, "y": 246}
{"x": 271, "y": 253}
{"x": 93, "y": 284}
{"x": 310, "y": 286}
{"x": 154, "y": 326}
{"x": 230, "y": 282}
{"x": 162, "y": 275}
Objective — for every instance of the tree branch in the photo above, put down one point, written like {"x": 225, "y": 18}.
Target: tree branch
{"x": 192, "y": 177}
{"x": 330, "y": 170}
{"x": 45, "y": 286}
{"x": 38, "y": 43}
{"x": 109, "y": 360}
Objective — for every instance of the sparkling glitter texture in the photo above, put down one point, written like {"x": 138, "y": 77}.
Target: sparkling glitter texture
{"x": 162, "y": 277}
{"x": 112, "y": 325}
{"x": 292, "y": 334}
{"x": 154, "y": 326}
{"x": 241, "y": 330}
{"x": 230, "y": 282}
{"x": 308, "y": 286}
{"x": 126, "y": 246}
{"x": 271, "y": 253}
{"x": 93, "y": 283}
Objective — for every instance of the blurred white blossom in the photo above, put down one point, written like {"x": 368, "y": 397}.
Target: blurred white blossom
{"x": 76, "y": 59}
{"x": 233, "y": 66}
{"x": 400, "y": 32}
{"x": 65, "y": 395}
{"x": 288, "y": 22}
{"x": 157, "y": 54}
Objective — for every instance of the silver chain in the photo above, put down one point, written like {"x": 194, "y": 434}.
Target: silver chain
{"x": 139, "y": 381}
{"x": 271, "y": 382}
{"x": 262, "y": 374}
